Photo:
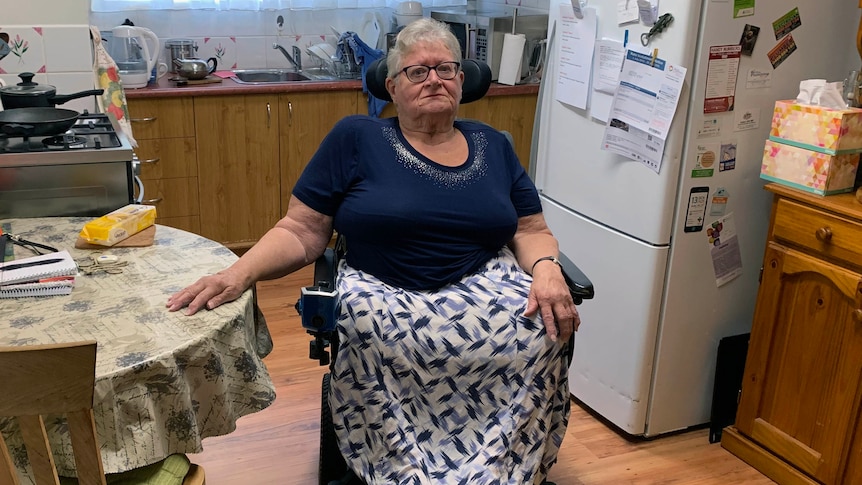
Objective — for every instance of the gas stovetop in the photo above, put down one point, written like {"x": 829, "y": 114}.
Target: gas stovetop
{"x": 94, "y": 138}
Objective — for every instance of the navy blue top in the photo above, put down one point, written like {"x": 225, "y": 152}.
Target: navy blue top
{"x": 409, "y": 221}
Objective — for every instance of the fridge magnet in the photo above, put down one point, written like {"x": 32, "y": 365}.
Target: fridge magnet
{"x": 709, "y": 128}
{"x": 721, "y": 73}
{"x": 749, "y": 38}
{"x": 704, "y": 166}
{"x": 719, "y": 202}
{"x": 781, "y": 51}
{"x": 743, "y": 8}
{"x": 758, "y": 78}
{"x": 696, "y": 210}
{"x": 728, "y": 156}
{"x": 786, "y": 23}
{"x": 724, "y": 250}
{"x": 746, "y": 119}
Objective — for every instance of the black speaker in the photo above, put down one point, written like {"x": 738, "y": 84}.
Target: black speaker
{"x": 729, "y": 369}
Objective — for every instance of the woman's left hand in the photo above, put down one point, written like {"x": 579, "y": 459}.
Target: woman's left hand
{"x": 550, "y": 296}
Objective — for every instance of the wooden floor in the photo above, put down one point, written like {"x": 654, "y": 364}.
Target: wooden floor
{"x": 279, "y": 445}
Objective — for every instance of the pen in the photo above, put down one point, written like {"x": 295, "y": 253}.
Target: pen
{"x": 626, "y": 39}
{"x": 10, "y": 267}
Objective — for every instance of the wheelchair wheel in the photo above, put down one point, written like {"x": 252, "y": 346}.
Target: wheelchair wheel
{"x": 332, "y": 465}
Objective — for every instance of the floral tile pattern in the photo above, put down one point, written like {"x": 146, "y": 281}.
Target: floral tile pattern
{"x": 22, "y": 49}
{"x": 222, "y": 48}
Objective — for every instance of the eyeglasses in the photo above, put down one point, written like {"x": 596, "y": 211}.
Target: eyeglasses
{"x": 419, "y": 73}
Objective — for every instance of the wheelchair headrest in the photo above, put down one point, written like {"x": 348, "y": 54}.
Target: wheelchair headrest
{"x": 477, "y": 79}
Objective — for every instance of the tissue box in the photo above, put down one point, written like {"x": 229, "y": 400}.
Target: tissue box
{"x": 832, "y": 131}
{"x": 809, "y": 170}
{"x": 119, "y": 225}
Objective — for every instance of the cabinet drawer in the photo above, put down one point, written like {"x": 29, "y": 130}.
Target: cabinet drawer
{"x": 167, "y": 158}
{"x": 162, "y": 118}
{"x": 179, "y": 196}
{"x": 818, "y": 231}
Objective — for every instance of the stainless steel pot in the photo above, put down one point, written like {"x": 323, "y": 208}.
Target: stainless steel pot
{"x": 28, "y": 94}
{"x": 179, "y": 49}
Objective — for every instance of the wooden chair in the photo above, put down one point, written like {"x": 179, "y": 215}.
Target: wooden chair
{"x": 55, "y": 379}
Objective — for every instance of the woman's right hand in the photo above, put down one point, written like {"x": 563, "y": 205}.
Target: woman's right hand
{"x": 208, "y": 292}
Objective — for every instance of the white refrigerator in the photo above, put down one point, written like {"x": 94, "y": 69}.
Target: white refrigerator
{"x": 645, "y": 353}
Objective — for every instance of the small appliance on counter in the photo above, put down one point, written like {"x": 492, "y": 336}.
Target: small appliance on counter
{"x": 136, "y": 52}
{"x": 481, "y": 32}
{"x": 179, "y": 49}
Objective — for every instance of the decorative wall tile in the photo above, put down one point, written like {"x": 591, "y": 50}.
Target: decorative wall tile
{"x": 222, "y": 48}
{"x": 25, "y": 50}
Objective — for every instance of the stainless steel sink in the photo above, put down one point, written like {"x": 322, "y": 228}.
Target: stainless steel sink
{"x": 280, "y": 76}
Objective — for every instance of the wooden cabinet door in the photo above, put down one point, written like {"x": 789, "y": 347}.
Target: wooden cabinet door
{"x": 802, "y": 376}
{"x": 237, "y": 147}
{"x": 304, "y": 120}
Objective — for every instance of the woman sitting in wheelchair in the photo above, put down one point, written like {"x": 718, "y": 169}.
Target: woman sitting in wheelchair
{"x": 454, "y": 315}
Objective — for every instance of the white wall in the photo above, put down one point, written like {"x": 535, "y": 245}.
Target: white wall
{"x": 50, "y": 38}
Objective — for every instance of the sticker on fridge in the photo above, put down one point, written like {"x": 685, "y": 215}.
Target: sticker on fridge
{"x": 707, "y": 155}
{"x": 781, "y": 51}
{"x": 721, "y": 73}
{"x": 743, "y": 8}
{"x": 719, "y": 202}
{"x": 728, "y": 156}
{"x": 724, "y": 250}
{"x": 749, "y": 38}
{"x": 746, "y": 119}
{"x": 787, "y": 23}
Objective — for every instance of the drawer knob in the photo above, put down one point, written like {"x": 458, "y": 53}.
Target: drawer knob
{"x": 857, "y": 315}
{"x": 824, "y": 234}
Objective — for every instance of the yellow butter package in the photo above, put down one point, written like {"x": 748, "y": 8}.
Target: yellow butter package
{"x": 118, "y": 225}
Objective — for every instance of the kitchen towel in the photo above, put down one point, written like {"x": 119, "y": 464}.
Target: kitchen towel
{"x": 510, "y": 60}
{"x": 364, "y": 56}
{"x": 113, "y": 100}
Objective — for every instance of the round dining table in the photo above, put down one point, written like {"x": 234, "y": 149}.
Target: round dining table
{"x": 164, "y": 380}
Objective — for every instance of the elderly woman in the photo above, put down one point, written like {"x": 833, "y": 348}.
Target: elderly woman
{"x": 453, "y": 311}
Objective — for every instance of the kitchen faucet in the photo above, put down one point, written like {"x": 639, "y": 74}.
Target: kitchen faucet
{"x": 296, "y": 60}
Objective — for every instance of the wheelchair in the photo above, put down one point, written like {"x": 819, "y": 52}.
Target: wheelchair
{"x": 318, "y": 303}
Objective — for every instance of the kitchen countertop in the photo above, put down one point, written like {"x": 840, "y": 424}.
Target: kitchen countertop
{"x": 166, "y": 88}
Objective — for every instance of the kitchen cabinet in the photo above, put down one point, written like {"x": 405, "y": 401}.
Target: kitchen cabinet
{"x": 798, "y": 419}
{"x": 165, "y": 131}
{"x": 238, "y": 166}
{"x": 304, "y": 120}
{"x": 513, "y": 113}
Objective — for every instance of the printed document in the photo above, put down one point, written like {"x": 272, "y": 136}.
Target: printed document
{"x": 577, "y": 39}
{"x": 643, "y": 108}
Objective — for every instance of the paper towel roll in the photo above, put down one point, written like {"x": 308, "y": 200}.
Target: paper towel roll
{"x": 510, "y": 60}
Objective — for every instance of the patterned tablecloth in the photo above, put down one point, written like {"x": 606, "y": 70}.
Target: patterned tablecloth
{"x": 164, "y": 381}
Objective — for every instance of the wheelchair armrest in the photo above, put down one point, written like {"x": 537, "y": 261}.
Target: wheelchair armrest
{"x": 579, "y": 285}
{"x": 324, "y": 269}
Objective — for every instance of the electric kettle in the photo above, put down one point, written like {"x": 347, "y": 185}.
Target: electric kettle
{"x": 136, "y": 51}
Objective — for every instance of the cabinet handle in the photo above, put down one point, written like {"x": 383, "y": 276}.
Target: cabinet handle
{"x": 143, "y": 120}
{"x": 824, "y": 234}
{"x": 268, "y": 115}
{"x": 857, "y": 315}
{"x": 151, "y": 160}
{"x": 290, "y": 113}
{"x": 153, "y": 201}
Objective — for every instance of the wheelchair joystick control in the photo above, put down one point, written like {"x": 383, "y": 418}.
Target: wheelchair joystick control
{"x": 317, "y": 306}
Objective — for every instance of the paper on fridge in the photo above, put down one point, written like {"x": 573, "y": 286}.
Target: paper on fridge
{"x": 577, "y": 39}
{"x": 643, "y": 108}
{"x": 607, "y": 61}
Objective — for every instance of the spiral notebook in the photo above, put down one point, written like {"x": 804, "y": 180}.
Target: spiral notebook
{"x": 44, "y": 275}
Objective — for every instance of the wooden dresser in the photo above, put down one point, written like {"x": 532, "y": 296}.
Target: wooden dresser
{"x": 798, "y": 420}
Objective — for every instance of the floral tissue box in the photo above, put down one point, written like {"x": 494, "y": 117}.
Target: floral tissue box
{"x": 809, "y": 170}
{"x": 827, "y": 130}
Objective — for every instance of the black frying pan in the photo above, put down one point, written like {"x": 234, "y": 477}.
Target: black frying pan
{"x": 36, "y": 121}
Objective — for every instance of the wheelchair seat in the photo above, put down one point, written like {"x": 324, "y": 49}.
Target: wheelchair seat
{"x": 318, "y": 303}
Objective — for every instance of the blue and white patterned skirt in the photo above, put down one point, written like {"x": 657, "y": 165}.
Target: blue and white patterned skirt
{"x": 453, "y": 386}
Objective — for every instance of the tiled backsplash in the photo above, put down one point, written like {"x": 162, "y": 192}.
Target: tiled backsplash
{"x": 52, "y": 39}
{"x": 244, "y": 39}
